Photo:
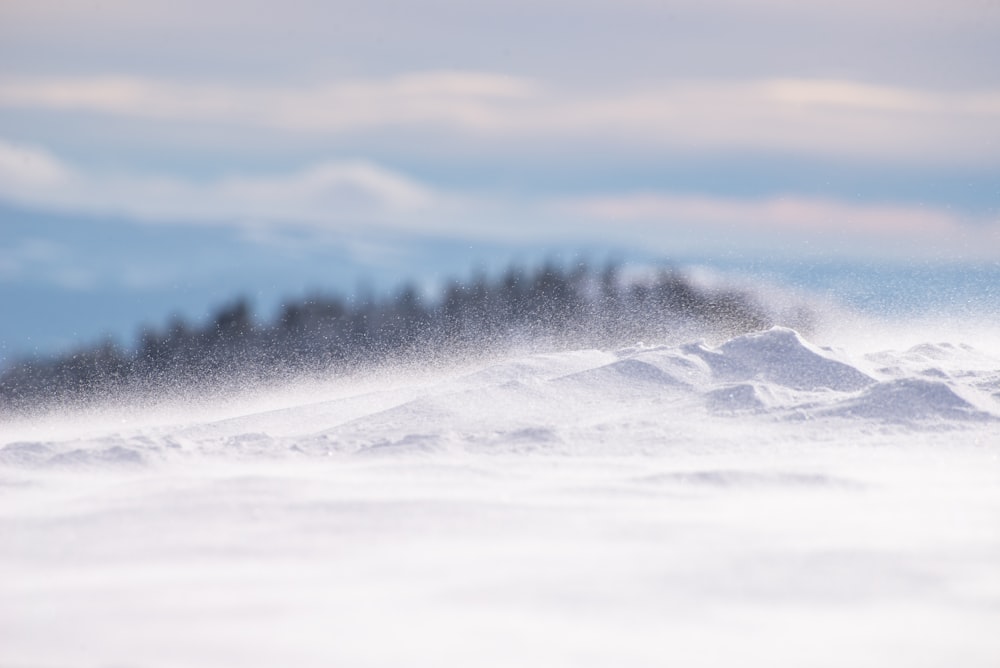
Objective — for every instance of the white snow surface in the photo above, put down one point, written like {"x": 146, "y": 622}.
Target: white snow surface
{"x": 766, "y": 501}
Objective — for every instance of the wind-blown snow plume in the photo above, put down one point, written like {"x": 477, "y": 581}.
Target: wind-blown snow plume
{"x": 548, "y": 309}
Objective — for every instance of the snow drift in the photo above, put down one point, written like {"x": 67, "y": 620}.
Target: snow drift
{"x": 775, "y": 375}
{"x": 764, "y": 501}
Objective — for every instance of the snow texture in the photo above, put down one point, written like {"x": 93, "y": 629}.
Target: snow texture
{"x": 763, "y": 502}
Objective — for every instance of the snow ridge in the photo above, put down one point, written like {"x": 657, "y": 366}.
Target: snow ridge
{"x": 579, "y": 401}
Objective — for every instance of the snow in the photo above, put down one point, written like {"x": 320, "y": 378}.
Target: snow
{"x": 765, "y": 501}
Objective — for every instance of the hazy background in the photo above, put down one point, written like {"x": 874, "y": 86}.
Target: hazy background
{"x": 166, "y": 156}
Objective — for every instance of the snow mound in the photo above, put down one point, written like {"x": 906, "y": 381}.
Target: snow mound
{"x": 536, "y": 367}
{"x": 910, "y": 400}
{"x": 739, "y": 397}
{"x": 631, "y": 375}
{"x": 24, "y": 453}
{"x": 781, "y": 356}
{"x": 104, "y": 453}
{"x": 940, "y": 360}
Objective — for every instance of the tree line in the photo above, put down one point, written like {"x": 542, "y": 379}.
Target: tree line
{"x": 545, "y": 308}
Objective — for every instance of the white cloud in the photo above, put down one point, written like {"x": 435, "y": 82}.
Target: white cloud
{"x": 24, "y": 169}
{"x": 459, "y": 99}
{"x": 829, "y": 225}
{"x": 353, "y": 198}
{"x": 351, "y": 186}
{"x": 329, "y": 194}
{"x": 809, "y": 117}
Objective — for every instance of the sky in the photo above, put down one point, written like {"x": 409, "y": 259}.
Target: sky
{"x": 165, "y": 156}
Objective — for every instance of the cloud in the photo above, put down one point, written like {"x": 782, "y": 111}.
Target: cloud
{"x": 332, "y": 194}
{"x": 355, "y": 199}
{"x": 812, "y": 117}
{"x": 862, "y": 229}
{"x": 25, "y": 169}
{"x": 456, "y": 99}
{"x": 346, "y": 191}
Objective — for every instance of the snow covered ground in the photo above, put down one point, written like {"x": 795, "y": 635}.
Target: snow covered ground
{"x": 766, "y": 501}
